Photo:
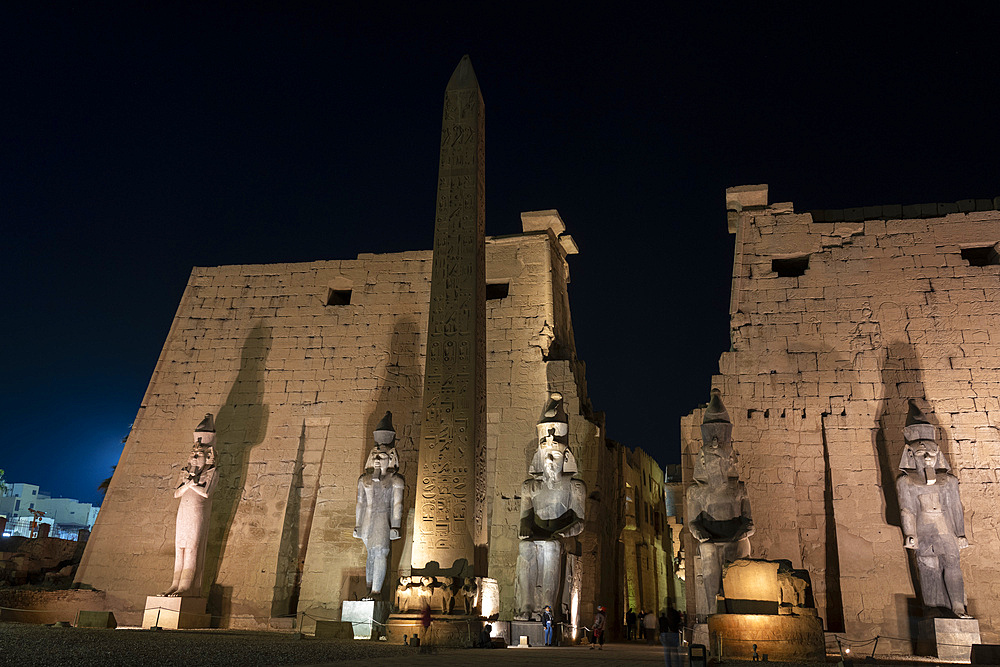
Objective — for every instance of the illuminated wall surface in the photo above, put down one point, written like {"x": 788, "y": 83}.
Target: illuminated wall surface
{"x": 650, "y": 580}
{"x": 299, "y": 362}
{"x": 834, "y": 326}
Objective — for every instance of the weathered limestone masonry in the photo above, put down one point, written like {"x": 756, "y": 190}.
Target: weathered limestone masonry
{"x": 299, "y": 362}
{"x": 540, "y": 330}
{"x": 645, "y": 537}
{"x": 834, "y": 326}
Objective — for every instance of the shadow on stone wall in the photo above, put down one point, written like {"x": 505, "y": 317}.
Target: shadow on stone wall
{"x": 241, "y": 424}
{"x": 834, "y": 596}
{"x": 902, "y": 380}
{"x": 400, "y": 385}
{"x": 288, "y": 571}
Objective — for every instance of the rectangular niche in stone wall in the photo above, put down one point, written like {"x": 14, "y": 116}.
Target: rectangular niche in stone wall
{"x": 790, "y": 267}
{"x": 981, "y": 256}
{"x": 338, "y": 297}
{"x": 497, "y": 291}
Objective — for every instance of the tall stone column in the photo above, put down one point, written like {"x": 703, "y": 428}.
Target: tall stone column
{"x": 449, "y": 519}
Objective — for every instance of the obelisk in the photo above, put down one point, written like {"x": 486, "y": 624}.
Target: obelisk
{"x": 449, "y": 514}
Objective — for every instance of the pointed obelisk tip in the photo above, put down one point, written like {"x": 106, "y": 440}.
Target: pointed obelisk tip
{"x": 463, "y": 76}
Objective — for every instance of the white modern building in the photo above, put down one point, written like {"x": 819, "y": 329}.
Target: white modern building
{"x": 66, "y": 516}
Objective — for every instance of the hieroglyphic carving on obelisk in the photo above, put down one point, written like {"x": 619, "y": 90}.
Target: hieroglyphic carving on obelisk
{"x": 450, "y": 516}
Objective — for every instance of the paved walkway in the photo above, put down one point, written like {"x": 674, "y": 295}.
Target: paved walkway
{"x": 44, "y": 646}
{"x": 613, "y": 655}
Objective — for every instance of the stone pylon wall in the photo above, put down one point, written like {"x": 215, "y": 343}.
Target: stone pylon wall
{"x": 534, "y": 355}
{"x": 816, "y": 383}
{"x": 297, "y": 381}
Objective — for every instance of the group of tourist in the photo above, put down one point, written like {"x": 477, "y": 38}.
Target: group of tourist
{"x": 647, "y": 626}
{"x": 667, "y": 628}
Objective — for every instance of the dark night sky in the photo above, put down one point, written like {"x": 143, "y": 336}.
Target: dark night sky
{"x": 138, "y": 143}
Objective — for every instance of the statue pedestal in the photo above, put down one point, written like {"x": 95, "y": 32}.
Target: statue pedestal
{"x": 446, "y": 630}
{"x": 785, "y": 638}
{"x": 532, "y": 630}
{"x": 947, "y": 638}
{"x": 367, "y": 617}
{"x": 699, "y": 634}
{"x": 175, "y": 613}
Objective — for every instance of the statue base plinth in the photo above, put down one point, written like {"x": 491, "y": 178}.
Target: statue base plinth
{"x": 175, "y": 613}
{"x": 562, "y": 633}
{"x": 784, "y": 638}
{"x": 947, "y": 638}
{"x": 367, "y": 617}
{"x": 449, "y": 630}
{"x": 533, "y": 630}
{"x": 698, "y": 634}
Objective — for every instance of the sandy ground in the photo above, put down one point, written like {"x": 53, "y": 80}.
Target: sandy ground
{"x": 30, "y": 645}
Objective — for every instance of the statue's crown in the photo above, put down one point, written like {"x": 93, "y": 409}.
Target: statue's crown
{"x": 716, "y": 411}
{"x": 207, "y": 425}
{"x": 385, "y": 434}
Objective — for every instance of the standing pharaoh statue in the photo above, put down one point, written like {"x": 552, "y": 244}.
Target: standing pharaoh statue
{"x": 379, "y": 513}
{"x": 718, "y": 508}
{"x": 932, "y": 515}
{"x": 194, "y": 488}
{"x": 552, "y": 509}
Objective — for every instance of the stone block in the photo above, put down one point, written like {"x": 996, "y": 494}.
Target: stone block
{"x": 530, "y": 631}
{"x": 783, "y": 638}
{"x": 947, "y": 638}
{"x": 454, "y": 631}
{"x": 533, "y": 221}
{"x": 744, "y": 196}
{"x": 367, "y": 617}
{"x": 96, "y": 619}
{"x": 751, "y": 580}
{"x": 175, "y": 612}
{"x": 985, "y": 654}
{"x": 334, "y": 630}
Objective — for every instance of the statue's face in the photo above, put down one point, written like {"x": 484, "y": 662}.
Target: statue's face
{"x": 198, "y": 459}
{"x": 715, "y": 467}
{"x": 553, "y": 459}
{"x": 925, "y": 452}
{"x": 380, "y": 460}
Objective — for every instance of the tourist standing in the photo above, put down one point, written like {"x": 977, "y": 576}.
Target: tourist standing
{"x": 425, "y": 623}
{"x": 630, "y": 625}
{"x": 670, "y": 626}
{"x": 649, "y": 626}
{"x": 547, "y": 624}
{"x": 597, "y": 632}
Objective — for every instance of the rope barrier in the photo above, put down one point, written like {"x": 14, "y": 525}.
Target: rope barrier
{"x": 857, "y": 642}
{"x": 838, "y": 638}
{"x": 370, "y": 622}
